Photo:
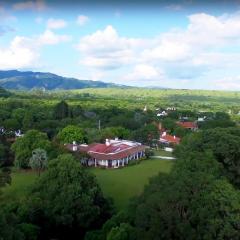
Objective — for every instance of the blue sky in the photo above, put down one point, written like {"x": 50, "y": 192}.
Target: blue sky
{"x": 177, "y": 44}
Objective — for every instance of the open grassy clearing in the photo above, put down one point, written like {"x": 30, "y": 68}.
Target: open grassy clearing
{"x": 21, "y": 181}
{"x": 119, "y": 184}
{"x": 123, "y": 184}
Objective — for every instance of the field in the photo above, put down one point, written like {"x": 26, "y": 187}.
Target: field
{"x": 21, "y": 181}
{"x": 123, "y": 184}
{"x": 119, "y": 184}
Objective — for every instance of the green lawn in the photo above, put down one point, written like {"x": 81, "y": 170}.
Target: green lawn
{"x": 120, "y": 184}
{"x": 123, "y": 184}
{"x": 21, "y": 180}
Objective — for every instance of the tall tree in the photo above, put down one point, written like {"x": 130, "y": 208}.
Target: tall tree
{"x": 224, "y": 143}
{"x": 123, "y": 232}
{"x": 70, "y": 199}
{"x": 38, "y": 160}
{"x": 114, "y": 132}
{"x": 71, "y": 133}
{"x": 28, "y": 120}
{"x": 146, "y": 134}
{"x": 61, "y": 110}
{"x": 24, "y": 146}
{"x": 193, "y": 202}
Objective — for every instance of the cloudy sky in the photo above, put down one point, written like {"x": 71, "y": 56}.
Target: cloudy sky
{"x": 177, "y": 44}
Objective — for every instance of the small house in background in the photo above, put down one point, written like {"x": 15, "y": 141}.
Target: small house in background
{"x": 11, "y": 136}
{"x": 113, "y": 154}
{"x": 162, "y": 114}
{"x": 171, "y": 109}
{"x": 169, "y": 139}
{"x": 201, "y": 119}
{"x": 18, "y": 133}
{"x": 188, "y": 125}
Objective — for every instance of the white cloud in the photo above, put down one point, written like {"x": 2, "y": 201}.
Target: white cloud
{"x": 145, "y": 73}
{"x": 56, "y": 23}
{"x": 205, "y": 34}
{"x": 38, "y": 5}
{"x": 24, "y": 52}
{"x": 168, "y": 51}
{"x": 208, "y": 30}
{"x": 20, "y": 54}
{"x": 206, "y": 47}
{"x": 208, "y": 44}
{"x": 82, "y": 20}
{"x": 106, "y": 49}
{"x": 50, "y": 38}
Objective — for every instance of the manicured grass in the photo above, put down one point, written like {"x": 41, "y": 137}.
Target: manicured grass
{"x": 119, "y": 184}
{"x": 125, "y": 183}
{"x": 161, "y": 152}
{"x": 21, "y": 181}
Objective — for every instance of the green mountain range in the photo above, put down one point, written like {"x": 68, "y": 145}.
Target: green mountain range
{"x": 18, "y": 80}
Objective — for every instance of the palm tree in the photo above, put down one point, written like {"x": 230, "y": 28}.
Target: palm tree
{"x": 38, "y": 160}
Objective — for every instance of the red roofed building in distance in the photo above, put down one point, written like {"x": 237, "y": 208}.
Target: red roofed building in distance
{"x": 169, "y": 139}
{"x": 113, "y": 154}
{"x": 188, "y": 125}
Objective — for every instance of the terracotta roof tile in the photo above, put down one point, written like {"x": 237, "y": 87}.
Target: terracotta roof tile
{"x": 170, "y": 139}
{"x": 103, "y": 152}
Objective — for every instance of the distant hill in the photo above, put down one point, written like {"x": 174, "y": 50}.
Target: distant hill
{"x": 4, "y": 93}
{"x": 17, "y": 80}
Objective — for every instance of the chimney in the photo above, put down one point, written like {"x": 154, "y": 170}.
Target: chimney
{"x": 107, "y": 142}
{"x": 164, "y": 134}
{"x": 74, "y": 146}
{"x": 174, "y": 137}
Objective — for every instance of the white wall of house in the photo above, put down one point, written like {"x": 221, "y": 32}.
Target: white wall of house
{"x": 103, "y": 163}
{"x": 118, "y": 162}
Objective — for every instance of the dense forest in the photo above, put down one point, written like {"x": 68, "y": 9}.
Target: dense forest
{"x": 199, "y": 198}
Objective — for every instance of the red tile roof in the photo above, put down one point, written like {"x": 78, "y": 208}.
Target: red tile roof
{"x": 103, "y": 148}
{"x": 117, "y": 155}
{"x": 170, "y": 139}
{"x": 189, "y": 125}
{"x": 108, "y": 152}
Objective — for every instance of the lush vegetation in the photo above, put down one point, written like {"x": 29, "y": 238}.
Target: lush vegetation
{"x": 53, "y": 197}
{"x": 194, "y": 201}
{"x": 128, "y": 181}
{"x": 4, "y": 93}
